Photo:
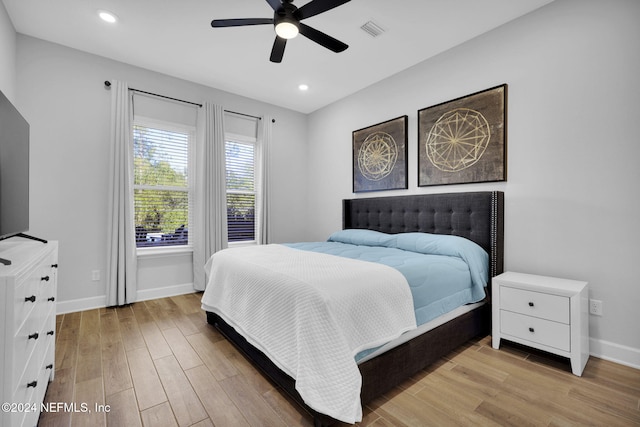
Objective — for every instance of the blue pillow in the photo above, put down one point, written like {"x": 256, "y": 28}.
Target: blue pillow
{"x": 363, "y": 237}
{"x": 441, "y": 244}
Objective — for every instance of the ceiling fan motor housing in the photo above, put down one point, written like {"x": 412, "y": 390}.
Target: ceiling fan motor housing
{"x": 285, "y": 15}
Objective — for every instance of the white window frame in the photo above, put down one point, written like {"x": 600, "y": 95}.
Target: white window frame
{"x": 244, "y": 139}
{"x": 191, "y": 131}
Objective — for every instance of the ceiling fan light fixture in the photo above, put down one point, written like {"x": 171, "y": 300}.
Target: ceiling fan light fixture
{"x": 287, "y": 29}
{"x": 107, "y": 16}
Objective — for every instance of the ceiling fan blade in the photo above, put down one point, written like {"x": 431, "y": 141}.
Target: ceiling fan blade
{"x": 275, "y": 4}
{"x": 277, "y": 52}
{"x": 315, "y": 7}
{"x": 219, "y": 23}
{"x": 322, "y": 38}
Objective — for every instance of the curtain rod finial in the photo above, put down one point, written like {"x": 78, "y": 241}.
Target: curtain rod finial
{"x": 107, "y": 84}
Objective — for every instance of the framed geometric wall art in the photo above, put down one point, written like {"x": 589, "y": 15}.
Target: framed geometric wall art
{"x": 380, "y": 156}
{"x": 464, "y": 140}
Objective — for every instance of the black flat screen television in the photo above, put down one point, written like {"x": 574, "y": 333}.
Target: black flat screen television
{"x": 14, "y": 170}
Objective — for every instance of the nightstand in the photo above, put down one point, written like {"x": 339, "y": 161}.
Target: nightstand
{"x": 546, "y": 313}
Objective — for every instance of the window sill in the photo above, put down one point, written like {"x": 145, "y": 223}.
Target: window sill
{"x": 163, "y": 251}
{"x": 244, "y": 243}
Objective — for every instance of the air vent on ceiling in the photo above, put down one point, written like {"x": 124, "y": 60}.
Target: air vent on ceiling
{"x": 372, "y": 28}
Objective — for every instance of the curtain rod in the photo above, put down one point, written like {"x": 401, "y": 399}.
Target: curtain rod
{"x": 107, "y": 83}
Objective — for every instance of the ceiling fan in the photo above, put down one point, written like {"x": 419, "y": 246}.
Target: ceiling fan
{"x": 286, "y": 20}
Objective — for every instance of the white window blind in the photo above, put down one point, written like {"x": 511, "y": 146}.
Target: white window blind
{"x": 161, "y": 184}
{"x": 241, "y": 190}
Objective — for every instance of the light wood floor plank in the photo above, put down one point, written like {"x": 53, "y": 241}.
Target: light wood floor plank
{"x": 159, "y": 416}
{"x": 221, "y": 410}
{"x": 130, "y": 332}
{"x": 89, "y": 362}
{"x": 87, "y": 395}
{"x": 209, "y": 383}
{"x": 146, "y": 382}
{"x": 254, "y": 407}
{"x": 155, "y": 341}
{"x": 215, "y": 360}
{"x": 180, "y": 347}
{"x": 123, "y": 409}
{"x": 115, "y": 368}
{"x": 183, "y": 399}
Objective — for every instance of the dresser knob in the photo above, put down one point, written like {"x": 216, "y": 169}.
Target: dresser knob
{"x": 32, "y": 298}
{"x": 54, "y": 265}
{"x": 51, "y": 299}
{"x": 34, "y": 336}
{"x": 49, "y": 366}
{"x": 50, "y": 333}
{"x": 531, "y": 330}
{"x": 32, "y": 384}
{"x": 45, "y": 278}
{"x": 530, "y": 304}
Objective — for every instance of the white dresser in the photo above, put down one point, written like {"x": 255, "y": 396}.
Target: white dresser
{"x": 546, "y": 313}
{"x": 27, "y": 328}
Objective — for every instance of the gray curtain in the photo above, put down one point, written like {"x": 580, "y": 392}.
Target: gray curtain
{"x": 263, "y": 207}
{"x": 121, "y": 243}
{"x": 210, "y": 202}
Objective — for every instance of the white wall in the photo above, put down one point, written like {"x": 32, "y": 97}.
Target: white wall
{"x": 62, "y": 96}
{"x": 572, "y": 197}
{"x": 7, "y": 55}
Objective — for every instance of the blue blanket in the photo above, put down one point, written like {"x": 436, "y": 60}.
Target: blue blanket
{"x": 443, "y": 272}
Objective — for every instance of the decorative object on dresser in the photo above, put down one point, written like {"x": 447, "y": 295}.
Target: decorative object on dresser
{"x": 546, "y": 313}
{"x": 464, "y": 140}
{"x": 380, "y": 156}
{"x": 27, "y": 328}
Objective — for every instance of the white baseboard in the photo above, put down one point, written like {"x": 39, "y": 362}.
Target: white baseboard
{"x": 616, "y": 353}
{"x": 82, "y": 304}
{"x": 169, "y": 291}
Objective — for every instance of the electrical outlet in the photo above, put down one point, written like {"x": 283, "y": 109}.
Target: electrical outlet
{"x": 95, "y": 275}
{"x": 595, "y": 307}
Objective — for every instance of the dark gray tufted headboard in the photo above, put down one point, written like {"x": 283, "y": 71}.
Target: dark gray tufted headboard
{"x": 478, "y": 216}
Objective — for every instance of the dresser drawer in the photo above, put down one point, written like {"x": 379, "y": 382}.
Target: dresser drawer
{"x": 25, "y": 390}
{"x": 26, "y": 340}
{"x": 537, "y": 304}
{"x": 536, "y": 330}
{"x": 25, "y": 299}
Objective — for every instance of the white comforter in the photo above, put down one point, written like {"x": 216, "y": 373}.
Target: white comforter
{"x": 310, "y": 313}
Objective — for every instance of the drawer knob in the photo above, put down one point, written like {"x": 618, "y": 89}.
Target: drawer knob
{"x": 54, "y": 265}
{"x": 51, "y": 299}
{"x": 34, "y": 336}
{"x": 49, "y": 366}
{"x": 45, "y": 278}
{"x": 531, "y": 304}
{"x": 531, "y": 330}
{"x": 32, "y": 298}
{"x": 32, "y": 384}
{"x": 50, "y": 333}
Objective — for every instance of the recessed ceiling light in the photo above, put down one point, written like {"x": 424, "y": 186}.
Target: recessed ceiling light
{"x": 303, "y": 87}
{"x": 107, "y": 16}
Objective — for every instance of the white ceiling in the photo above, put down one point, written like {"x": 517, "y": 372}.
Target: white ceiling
{"x": 175, "y": 37}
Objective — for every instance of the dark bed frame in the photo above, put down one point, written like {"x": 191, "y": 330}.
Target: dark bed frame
{"x": 478, "y": 216}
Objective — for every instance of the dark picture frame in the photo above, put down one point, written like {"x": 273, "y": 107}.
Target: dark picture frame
{"x": 464, "y": 140}
{"x": 380, "y": 156}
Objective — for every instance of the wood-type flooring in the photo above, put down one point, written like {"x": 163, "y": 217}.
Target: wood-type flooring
{"x": 158, "y": 363}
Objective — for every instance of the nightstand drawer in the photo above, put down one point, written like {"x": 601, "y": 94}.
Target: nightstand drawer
{"x": 537, "y": 304}
{"x": 545, "y": 332}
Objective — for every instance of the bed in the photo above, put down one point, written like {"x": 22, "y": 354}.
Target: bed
{"x": 476, "y": 216}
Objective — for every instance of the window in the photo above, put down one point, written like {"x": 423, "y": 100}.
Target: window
{"x": 161, "y": 183}
{"x": 241, "y": 189}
